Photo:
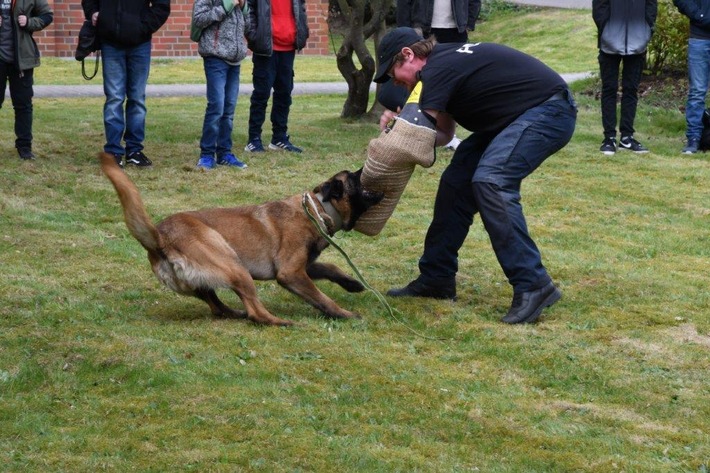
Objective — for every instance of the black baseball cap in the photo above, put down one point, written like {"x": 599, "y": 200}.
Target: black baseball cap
{"x": 390, "y": 45}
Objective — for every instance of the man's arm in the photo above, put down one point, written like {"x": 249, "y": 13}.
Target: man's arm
{"x": 445, "y": 126}
{"x": 157, "y": 15}
{"x": 651, "y": 12}
{"x": 600, "y": 13}
{"x": 690, "y": 9}
{"x": 474, "y": 9}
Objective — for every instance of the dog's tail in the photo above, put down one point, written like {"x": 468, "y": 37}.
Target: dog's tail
{"x": 137, "y": 220}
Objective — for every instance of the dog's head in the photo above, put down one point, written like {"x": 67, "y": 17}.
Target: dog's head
{"x": 345, "y": 193}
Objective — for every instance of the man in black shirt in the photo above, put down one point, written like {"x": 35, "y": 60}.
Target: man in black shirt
{"x": 520, "y": 112}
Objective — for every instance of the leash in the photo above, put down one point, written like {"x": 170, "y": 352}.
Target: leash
{"x": 307, "y": 199}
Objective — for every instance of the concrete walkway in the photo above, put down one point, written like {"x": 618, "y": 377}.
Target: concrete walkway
{"x": 198, "y": 90}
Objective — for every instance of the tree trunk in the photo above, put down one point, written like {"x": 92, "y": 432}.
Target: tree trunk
{"x": 358, "y": 80}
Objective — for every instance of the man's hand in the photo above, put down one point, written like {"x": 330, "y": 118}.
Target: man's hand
{"x": 22, "y": 21}
{"x": 387, "y": 117}
{"x": 94, "y": 18}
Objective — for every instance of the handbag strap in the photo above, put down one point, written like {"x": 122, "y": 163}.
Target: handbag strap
{"x": 96, "y": 67}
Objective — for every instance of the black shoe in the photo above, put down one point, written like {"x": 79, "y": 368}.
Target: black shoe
{"x": 419, "y": 289}
{"x": 692, "y": 146}
{"x": 629, "y": 143}
{"x": 119, "y": 159}
{"x": 527, "y": 306}
{"x": 25, "y": 153}
{"x": 608, "y": 146}
{"x": 139, "y": 159}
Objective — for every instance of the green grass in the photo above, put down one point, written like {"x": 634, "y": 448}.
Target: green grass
{"x": 101, "y": 368}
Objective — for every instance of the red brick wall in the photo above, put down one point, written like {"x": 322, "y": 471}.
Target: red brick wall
{"x": 173, "y": 39}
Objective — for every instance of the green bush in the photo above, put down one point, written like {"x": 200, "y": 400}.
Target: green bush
{"x": 668, "y": 49}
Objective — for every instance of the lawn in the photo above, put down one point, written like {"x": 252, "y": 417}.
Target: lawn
{"x": 102, "y": 368}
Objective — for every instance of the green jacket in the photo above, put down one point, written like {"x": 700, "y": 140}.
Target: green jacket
{"x": 39, "y": 16}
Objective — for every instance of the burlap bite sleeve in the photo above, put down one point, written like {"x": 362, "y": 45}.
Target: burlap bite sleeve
{"x": 391, "y": 159}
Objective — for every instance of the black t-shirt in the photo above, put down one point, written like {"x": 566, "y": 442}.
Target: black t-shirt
{"x": 485, "y": 86}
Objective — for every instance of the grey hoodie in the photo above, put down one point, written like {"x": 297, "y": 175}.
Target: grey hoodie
{"x": 223, "y": 33}
{"x": 624, "y": 26}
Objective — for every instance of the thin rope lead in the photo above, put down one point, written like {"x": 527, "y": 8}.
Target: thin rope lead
{"x": 377, "y": 294}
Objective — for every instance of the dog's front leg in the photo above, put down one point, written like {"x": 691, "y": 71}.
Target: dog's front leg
{"x": 300, "y": 284}
{"x": 332, "y": 273}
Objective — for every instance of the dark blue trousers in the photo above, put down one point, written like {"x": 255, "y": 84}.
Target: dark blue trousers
{"x": 484, "y": 177}
{"x": 271, "y": 72}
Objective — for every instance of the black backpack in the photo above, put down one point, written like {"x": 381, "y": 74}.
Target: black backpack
{"x": 705, "y": 136}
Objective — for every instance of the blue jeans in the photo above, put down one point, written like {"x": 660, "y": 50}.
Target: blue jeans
{"x": 222, "y": 89}
{"x": 698, "y": 76}
{"x": 125, "y": 73}
{"x": 484, "y": 177}
{"x": 271, "y": 72}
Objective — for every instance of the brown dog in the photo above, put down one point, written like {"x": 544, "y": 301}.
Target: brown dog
{"x": 195, "y": 253}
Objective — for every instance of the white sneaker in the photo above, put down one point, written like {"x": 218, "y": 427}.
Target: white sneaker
{"x": 454, "y": 143}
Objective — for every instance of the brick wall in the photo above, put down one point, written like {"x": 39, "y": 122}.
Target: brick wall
{"x": 173, "y": 39}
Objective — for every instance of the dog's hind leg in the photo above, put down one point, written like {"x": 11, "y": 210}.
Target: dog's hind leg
{"x": 243, "y": 285}
{"x": 332, "y": 273}
{"x": 218, "y": 308}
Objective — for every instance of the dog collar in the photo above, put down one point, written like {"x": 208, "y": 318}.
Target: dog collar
{"x": 332, "y": 213}
{"x": 331, "y": 221}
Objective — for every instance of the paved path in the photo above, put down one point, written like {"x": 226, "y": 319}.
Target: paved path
{"x": 96, "y": 90}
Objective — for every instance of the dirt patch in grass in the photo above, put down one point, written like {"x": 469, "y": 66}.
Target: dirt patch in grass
{"x": 665, "y": 90}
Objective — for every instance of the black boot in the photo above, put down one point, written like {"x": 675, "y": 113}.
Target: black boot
{"x": 527, "y": 306}
{"x": 417, "y": 288}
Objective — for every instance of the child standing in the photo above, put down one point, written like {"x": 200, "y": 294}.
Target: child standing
{"x": 222, "y": 47}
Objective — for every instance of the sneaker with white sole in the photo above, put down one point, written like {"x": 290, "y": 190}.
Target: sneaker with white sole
{"x": 284, "y": 145}
{"x": 692, "y": 146}
{"x": 630, "y": 144}
{"x": 608, "y": 146}
{"x": 230, "y": 160}
{"x": 254, "y": 146}
{"x": 137, "y": 158}
{"x": 454, "y": 143}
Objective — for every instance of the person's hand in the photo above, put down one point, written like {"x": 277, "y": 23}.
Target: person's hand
{"x": 386, "y": 119}
{"x": 94, "y": 18}
{"x": 22, "y": 21}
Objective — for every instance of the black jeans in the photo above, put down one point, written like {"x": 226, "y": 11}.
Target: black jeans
{"x": 630, "y": 79}
{"x": 271, "y": 72}
{"x": 21, "y": 93}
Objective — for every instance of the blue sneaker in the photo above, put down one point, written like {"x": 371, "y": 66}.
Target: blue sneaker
{"x": 206, "y": 162}
{"x": 230, "y": 160}
{"x": 284, "y": 145}
{"x": 254, "y": 146}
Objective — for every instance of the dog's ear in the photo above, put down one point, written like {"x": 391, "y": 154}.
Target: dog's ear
{"x": 332, "y": 189}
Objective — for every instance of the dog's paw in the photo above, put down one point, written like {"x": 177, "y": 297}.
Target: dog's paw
{"x": 344, "y": 314}
{"x": 353, "y": 286}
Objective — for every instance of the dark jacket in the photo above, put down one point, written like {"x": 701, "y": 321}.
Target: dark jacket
{"x": 698, "y": 11}
{"x": 259, "y": 36}
{"x": 418, "y": 14}
{"x": 39, "y": 16}
{"x": 127, "y": 23}
{"x": 624, "y": 27}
